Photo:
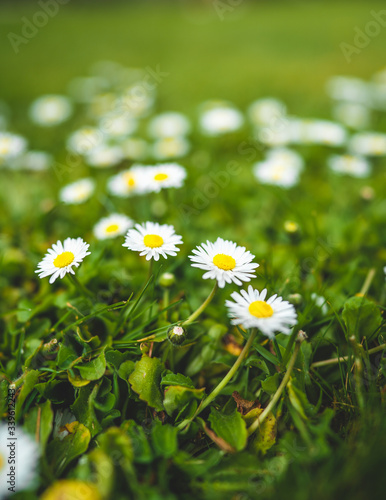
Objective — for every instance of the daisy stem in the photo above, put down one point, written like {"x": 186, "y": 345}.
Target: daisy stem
{"x": 257, "y": 423}
{"x": 80, "y": 286}
{"x": 342, "y": 359}
{"x": 202, "y": 307}
{"x": 224, "y": 381}
{"x": 367, "y": 283}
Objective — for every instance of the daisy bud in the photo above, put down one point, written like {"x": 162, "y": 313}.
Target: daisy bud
{"x": 167, "y": 280}
{"x": 177, "y": 334}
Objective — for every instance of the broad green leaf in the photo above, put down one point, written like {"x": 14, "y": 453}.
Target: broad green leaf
{"x": 116, "y": 443}
{"x": 39, "y": 422}
{"x": 164, "y": 439}
{"x": 230, "y": 427}
{"x": 141, "y": 447}
{"x": 125, "y": 369}
{"x": 361, "y": 316}
{"x": 177, "y": 379}
{"x": 94, "y": 369}
{"x": 30, "y": 378}
{"x": 270, "y": 384}
{"x": 145, "y": 381}
{"x": 60, "y": 453}
{"x": 265, "y": 436}
{"x": 176, "y": 397}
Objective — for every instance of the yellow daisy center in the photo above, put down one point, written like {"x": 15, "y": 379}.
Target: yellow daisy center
{"x": 160, "y": 177}
{"x": 112, "y": 228}
{"x": 260, "y": 309}
{"x": 64, "y": 259}
{"x": 130, "y": 180}
{"x": 153, "y": 241}
{"x": 225, "y": 262}
{"x": 4, "y": 146}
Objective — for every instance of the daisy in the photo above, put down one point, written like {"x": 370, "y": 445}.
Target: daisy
{"x": 266, "y": 111}
{"x": 61, "y": 257}
{"x": 368, "y": 144}
{"x": 112, "y": 226}
{"x": 224, "y": 261}
{"x": 32, "y": 160}
{"x": 77, "y": 192}
{"x": 104, "y": 156}
{"x": 169, "y": 175}
{"x": 170, "y": 147}
{"x": 351, "y": 114}
{"x": 351, "y": 89}
{"x": 355, "y": 166}
{"x": 129, "y": 182}
{"x": 251, "y": 310}
{"x": 326, "y": 132}
{"x": 152, "y": 239}
{"x": 11, "y": 146}
{"x": 170, "y": 124}
{"x": 26, "y": 460}
{"x": 281, "y": 168}
{"x": 221, "y": 119}
{"x": 118, "y": 124}
{"x": 50, "y": 110}
{"x": 84, "y": 140}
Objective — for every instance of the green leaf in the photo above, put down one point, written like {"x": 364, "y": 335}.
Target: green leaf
{"x": 142, "y": 451}
{"x": 265, "y": 436}
{"x": 60, "y": 453}
{"x": 230, "y": 427}
{"x": 361, "y": 316}
{"x": 94, "y": 369}
{"x": 164, "y": 439}
{"x": 145, "y": 381}
{"x": 270, "y": 384}
{"x": 299, "y": 400}
{"x": 176, "y": 397}
{"x": 40, "y": 419}
{"x": 116, "y": 443}
{"x": 177, "y": 379}
{"x": 30, "y": 378}
{"x": 125, "y": 369}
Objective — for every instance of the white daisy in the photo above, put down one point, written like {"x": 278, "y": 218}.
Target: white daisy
{"x": 326, "y": 132}
{"x": 32, "y": 160}
{"x": 221, "y": 119}
{"x": 170, "y": 147}
{"x": 266, "y": 111}
{"x": 112, "y": 226}
{"x": 50, "y": 110}
{"x": 11, "y": 146}
{"x": 84, "y": 140}
{"x": 169, "y": 175}
{"x": 77, "y": 192}
{"x": 62, "y": 257}
{"x": 280, "y": 168}
{"x": 118, "y": 124}
{"x": 129, "y": 182}
{"x": 104, "y": 156}
{"x": 251, "y": 310}
{"x": 224, "y": 261}
{"x": 345, "y": 88}
{"x": 368, "y": 144}
{"x": 170, "y": 124}
{"x": 26, "y": 455}
{"x": 355, "y": 166}
{"x": 152, "y": 239}
{"x": 352, "y": 114}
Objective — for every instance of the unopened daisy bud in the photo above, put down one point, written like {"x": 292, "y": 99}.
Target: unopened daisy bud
{"x": 177, "y": 334}
{"x": 167, "y": 280}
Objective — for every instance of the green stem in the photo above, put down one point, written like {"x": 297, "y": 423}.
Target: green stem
{"x": 257, "y": 423}
{"x": 341, "y": 359}
{"x": 216, "y": 391}
{"x": 202, "y": 307}
{"x": 367, "y": 283}
{"x": 80, "y": 286}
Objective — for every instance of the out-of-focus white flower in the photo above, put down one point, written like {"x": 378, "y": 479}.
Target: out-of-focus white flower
{"x": 320, "y": 302}
{"x": 170, "y": 124}
{"x": 170, "y": 147}
{"x": 328, "y": 133}
{"x": 266, "y": 112}
{"x": 32, "y": 160}
{"x": 345, "y": 88}
{"x": 169, "y": 175}
{"x": 137, "y": 100}
{"x": 104, "y": 156}
{"x": 130, "y": 182}
{"x": 112, "y": 226}
{"x": 281, "y": 168}
{"x": 11, "y": 146}
{"x": 355, "y": 166}
{"x": 368, "y": 144}
{"x": 50, "y": 110}
{"x": 118, "y": 124}
{"x": 85, "y": 140}
{"x": 77, "y": 192}
{"x": 220, "y": 119}
{"x": 353, "y": 115}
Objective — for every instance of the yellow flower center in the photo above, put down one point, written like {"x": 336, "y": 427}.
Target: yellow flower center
{"x": 153, "y": 241}
{"x": 112, "y": 228}
{"x": 4, "y": 146}
{"x": 260, "y": 309}
{"x": 160, "y": 177}
{"x": 225, "y": 262}
{"x": 130, "y": 180}
{"x": 64, "y": 259}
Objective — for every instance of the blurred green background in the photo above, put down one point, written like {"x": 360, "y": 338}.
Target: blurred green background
{"x": 284, "y": 48}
